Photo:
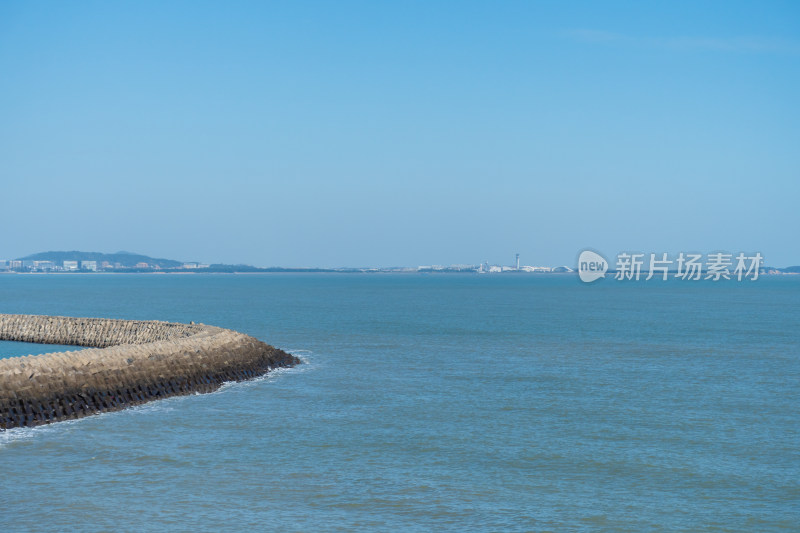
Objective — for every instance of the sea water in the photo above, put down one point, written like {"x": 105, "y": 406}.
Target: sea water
{"x": 434, "y": 402}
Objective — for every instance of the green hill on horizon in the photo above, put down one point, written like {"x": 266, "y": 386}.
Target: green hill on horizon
{"x": 127, "y": 259}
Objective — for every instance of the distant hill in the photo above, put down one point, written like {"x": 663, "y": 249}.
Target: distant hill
{"x": 126, "y": 259}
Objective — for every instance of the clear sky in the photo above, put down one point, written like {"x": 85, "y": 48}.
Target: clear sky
{"x": 399, "y": 133}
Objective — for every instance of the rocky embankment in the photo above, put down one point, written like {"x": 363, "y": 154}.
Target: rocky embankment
{"x": 128, "y": 362}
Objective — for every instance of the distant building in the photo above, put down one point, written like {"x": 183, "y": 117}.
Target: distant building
{"x": 70, "y": 265}
{"x": 105, "y": 264}
{"x": 190, "y": 265}
{"x": 44, "y": 266}
{"x": 89, "y": 265}
{"x": 142, "y": 265}
{"x": 534, "y": 269}
{"x": 3, "y": 264}
{"x": 15, "y": 264}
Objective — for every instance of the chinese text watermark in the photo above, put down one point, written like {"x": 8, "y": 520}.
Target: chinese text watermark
{"x": 683, "y": 266}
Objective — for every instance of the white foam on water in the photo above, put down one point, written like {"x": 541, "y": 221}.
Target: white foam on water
{"x": 17, "y": 434}
{"x": 14, "y": 435}
{"x": 275, "y": 373}
{"x": 162, "y": 405}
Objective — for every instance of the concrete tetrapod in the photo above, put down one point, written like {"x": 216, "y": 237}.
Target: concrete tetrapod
{"x": 128, "y": 362}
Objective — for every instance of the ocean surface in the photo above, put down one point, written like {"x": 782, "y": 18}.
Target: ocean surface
{"x": 434, "y": 403}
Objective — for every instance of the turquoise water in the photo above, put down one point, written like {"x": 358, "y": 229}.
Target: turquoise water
{"x": 435, "y": 402}
{"x": 16, "y": 349}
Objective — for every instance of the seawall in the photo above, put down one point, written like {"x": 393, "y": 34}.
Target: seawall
{"x": 128, "y": 362}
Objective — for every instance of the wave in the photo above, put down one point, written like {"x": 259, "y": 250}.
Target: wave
{"x": 19, "y": 434}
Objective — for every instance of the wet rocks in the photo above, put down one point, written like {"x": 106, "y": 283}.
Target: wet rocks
{"x": 129, "y": 362}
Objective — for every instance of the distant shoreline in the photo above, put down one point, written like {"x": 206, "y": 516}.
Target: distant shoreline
{"x": 609, "y": 273}
{"x": 277, "y": 271}
{"x": 79, "y": 262}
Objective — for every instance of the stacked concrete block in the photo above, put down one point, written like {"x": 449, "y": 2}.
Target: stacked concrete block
{"x": 130, "y": 362}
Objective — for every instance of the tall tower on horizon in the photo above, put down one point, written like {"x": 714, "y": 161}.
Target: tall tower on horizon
{"x": 517, "y": 261}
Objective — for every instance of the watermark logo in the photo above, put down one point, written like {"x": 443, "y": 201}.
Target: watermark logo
{"x": 683, "y": 266}
{"x": 591, "y": 266}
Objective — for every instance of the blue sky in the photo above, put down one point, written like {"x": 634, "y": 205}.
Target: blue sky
{"x": 399, "y": 133}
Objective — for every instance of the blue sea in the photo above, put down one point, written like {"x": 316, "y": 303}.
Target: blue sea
{"x": 442, "y": 402}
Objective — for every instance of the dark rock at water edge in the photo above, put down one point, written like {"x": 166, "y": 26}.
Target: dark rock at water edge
{"x": 128, "y": 363}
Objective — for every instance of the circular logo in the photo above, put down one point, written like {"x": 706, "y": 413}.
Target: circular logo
{"x": 591, "y": 266}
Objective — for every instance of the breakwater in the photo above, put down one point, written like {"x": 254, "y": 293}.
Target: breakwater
{"x": 127, "y": 362}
